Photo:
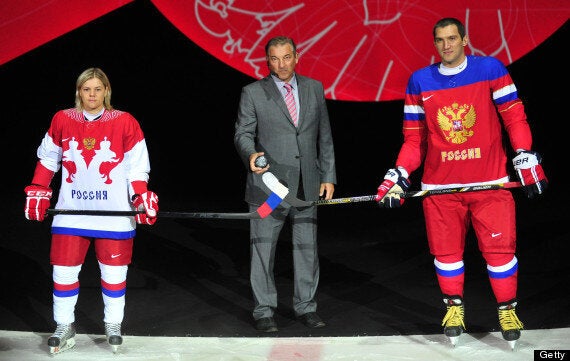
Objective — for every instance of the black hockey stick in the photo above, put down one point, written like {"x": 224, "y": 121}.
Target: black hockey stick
{"x": 210, "y": 215}
{"x": 296, "y": 202}
{"x": 278, "y": 193}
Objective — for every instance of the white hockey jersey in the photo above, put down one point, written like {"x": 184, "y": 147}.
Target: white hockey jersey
{"x": 98, "y": 160}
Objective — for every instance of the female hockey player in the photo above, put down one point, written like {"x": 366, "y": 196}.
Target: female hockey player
{"x": 104, "y": 165}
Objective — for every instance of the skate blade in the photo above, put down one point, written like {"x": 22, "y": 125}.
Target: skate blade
{"x": 512, "y": 344}
{"x": 454, "y": 340}
{"x": 115, "y": 344}
{"x": 70, "y": 343}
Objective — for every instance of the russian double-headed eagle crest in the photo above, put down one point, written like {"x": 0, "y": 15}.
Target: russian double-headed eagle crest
{"x": 89, "y": 143}
{"x": 456, "y": 122}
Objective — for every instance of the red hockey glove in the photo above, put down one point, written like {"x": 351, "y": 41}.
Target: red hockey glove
{"x": 148, "y": 202}
{"x": 394, "y": 183}
{"x": 530, "y": 173}
{"x": 37, "y": 202}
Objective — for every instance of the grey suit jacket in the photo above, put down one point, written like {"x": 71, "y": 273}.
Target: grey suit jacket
{"x": 264, "y": 125}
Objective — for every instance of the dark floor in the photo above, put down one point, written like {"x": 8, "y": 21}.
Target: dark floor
{"x": 190, "y": 277}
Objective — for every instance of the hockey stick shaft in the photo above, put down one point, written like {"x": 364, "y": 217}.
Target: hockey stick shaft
{"x": 278, "y": 193}
{"x": 210, "y": 215}
{"x": 481, "y": 187}
{"x": 295, "y": 202}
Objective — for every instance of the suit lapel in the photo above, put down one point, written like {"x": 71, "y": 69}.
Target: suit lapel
{"x": 274, "y": 94}
{"x": 303, "y": 91}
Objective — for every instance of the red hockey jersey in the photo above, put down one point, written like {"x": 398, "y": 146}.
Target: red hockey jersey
{"x": 454, "y": 124}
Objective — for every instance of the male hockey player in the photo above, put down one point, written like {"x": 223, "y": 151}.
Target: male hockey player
{"x": 105, "y": 166}
{"x": 452, "y": 122}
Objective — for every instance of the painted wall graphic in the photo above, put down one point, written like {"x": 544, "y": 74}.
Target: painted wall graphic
{"x": 362, "y": 50}
{"x": 27, "y": 24}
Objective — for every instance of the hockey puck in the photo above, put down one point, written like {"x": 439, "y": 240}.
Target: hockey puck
{"x": 260, "y": 162}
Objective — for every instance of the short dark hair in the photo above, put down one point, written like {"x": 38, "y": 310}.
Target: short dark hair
{"x": 450, "y": 21}
{"x": 280, "y": 40}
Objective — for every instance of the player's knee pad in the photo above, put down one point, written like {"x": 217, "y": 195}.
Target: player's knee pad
{"x": 66, "y": 275}
{"x": 449, "y": 258}
{"x": 498, "y": 259}
{"x": 113, "y": 274}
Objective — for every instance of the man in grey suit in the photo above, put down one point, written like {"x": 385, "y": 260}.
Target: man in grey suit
{"x": 294, "y": 135}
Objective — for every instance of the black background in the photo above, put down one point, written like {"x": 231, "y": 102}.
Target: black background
{"x": 376, "y": 276}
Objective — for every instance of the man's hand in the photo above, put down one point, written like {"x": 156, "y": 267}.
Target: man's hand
{"x": 388, "y": 195}
{"x": 258, "y": 163}
{"x": 326, "y": 191}
{"x": 37, "y": 202}
{"x": 148, "y": 202}
{"x": 530, "y": 173}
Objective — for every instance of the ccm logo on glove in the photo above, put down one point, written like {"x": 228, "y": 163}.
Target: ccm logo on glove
{"x": 37, "y": 202}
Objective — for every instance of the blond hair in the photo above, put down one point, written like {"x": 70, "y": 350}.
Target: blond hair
{"x": 88, "y": 74}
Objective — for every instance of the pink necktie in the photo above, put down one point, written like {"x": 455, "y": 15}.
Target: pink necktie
{"x": 290, "y": 101}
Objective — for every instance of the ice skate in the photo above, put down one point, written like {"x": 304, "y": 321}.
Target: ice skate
{"x": 113, "y": 334}
{"x": 62, "y": 339}
{"x": 510, "y": 324}
{"x": 453, "y": 320}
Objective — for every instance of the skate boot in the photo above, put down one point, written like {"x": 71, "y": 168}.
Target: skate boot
{"x": 113, "y": 334}
{"x": 453, "y": 320}
{"x": 62, "y": 339}
{"x": 510, "y": 324}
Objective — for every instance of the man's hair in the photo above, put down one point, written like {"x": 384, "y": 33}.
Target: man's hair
{"x": 450, "y": 21}
{"x": 280, "y": 40}
{"x": 88, "y": 74}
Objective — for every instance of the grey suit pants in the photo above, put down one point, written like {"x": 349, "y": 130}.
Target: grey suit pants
{"x": 264, "y": 235}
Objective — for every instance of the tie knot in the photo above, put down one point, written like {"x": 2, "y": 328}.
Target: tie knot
{"x": 288, "y": 87}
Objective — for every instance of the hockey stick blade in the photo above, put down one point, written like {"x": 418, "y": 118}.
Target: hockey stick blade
{"x": 298, "y": 203}
{"x": 278, "y": 193}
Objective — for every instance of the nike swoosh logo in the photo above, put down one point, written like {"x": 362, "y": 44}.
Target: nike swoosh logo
{"x": 115, "y": 255}
{"x": 495, "y": 234}
{"x": 426, "y": 98}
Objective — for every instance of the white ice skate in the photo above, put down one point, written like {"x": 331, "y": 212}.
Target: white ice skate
{"x": 62, "y": 339}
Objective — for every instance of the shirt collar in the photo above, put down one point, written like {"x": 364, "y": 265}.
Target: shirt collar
{"x": 452, "y": 71}
{"x": 280, "y": 83}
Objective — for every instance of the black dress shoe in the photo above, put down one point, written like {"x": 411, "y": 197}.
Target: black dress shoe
{"x": 312, "y": 320}
{"x": 266, "y": 324}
